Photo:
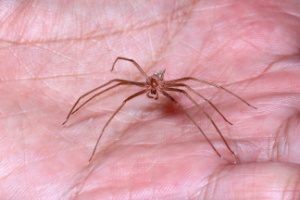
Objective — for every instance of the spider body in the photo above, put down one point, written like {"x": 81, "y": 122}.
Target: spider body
{"x": 154, "y": 84}
{"x": 152, "y": 87}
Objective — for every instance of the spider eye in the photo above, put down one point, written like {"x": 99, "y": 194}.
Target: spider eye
{"x": 153, "y": 92}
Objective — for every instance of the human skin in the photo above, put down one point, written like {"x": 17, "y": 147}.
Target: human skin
{"x": 54, "y": 51}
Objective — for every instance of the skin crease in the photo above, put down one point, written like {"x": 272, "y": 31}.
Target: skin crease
{"x": 54, "y": 51}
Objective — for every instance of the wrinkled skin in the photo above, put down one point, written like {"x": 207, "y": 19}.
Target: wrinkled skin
{"x": 53, "y": 51}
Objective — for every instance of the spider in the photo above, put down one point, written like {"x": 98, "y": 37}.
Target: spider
{"x": 152, "y": 87}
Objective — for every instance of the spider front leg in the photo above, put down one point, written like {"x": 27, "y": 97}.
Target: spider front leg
{"x": 133, "y": 62}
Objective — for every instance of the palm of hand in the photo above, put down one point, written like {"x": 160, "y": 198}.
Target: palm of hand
{"x": 158, "y": 153}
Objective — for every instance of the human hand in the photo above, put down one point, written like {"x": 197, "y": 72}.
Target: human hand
{"x": 54, "y": 52}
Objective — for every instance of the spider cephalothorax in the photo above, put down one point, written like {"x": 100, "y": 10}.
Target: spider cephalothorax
{"x": 154, "y": 85}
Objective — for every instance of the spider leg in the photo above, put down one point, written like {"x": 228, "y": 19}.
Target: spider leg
{"x": 141, "y": 84}
{"x": 99, "y": 93}
{"x": 190, "y": 117}
{"x": 113, "y": 115}
{"x": 133, "y": 62}
{"x": 209, "y": 83}
{"x": 198, "y": 94}
{"x": 206, "y": 114}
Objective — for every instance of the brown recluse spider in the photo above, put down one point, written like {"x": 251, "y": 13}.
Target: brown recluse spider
{"x": 154, "y": 85}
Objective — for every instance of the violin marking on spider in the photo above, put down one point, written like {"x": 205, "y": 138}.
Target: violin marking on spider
{"x": 154, "y": 85}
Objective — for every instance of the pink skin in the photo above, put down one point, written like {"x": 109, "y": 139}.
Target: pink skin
{"x": 54, "y": 51}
